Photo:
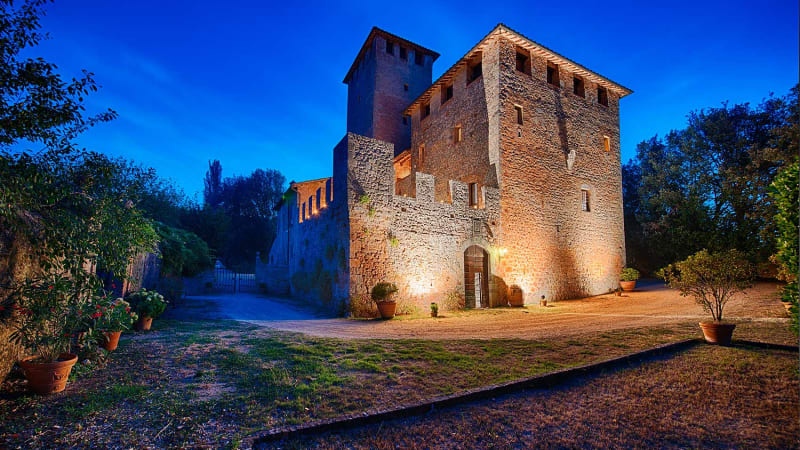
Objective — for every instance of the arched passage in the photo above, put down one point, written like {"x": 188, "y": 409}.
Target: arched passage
{"x": 476, "y": 277}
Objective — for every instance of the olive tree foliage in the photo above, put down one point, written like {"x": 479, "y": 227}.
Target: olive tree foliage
{"x": 711, "y": 278}
{"x": 76, "y": 208}
{"x": 785, "y": 194}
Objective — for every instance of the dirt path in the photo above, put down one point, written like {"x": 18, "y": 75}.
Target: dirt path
{"x": 650, "y": 305}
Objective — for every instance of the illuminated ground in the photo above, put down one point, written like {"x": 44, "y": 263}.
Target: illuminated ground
{"x": 648, "y": 306}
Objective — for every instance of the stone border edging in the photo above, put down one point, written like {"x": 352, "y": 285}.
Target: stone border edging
{"x": 768, "y": 345}
{"x": 548, "y": 379}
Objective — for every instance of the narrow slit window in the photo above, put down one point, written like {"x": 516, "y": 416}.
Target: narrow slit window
{"x": 419, "y": 58}
{"x": 420, "y": 155}
{"x": 390, "y": 47}
{"x": 552, "y": 74}
{"x": 473, "y": 195}
{"x": 426, "y": 110}
{"x": 602, "y": 96}
{"x": 457, "y": 134}
{"x": 303, "y": 214}
{"x": 606, "y": 143}
{"x": 518, "y": 111}
{"x": 403, "y": 53}
{"x": 523, "y": 62}
{"x": 405, "y": 120}
{"x": 405, "y": 87}
{"x": 578, "y": 87}
{"x": 311, "y": 209}
{"x": 447, "y": 93}
{"x": 585, "y": 199}
{"x": 475, "y": 69}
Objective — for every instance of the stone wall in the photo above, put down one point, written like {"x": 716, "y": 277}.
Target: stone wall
{"x": 309, "y": 256}
{"x": 553, "y": 247}
{"x": 434, "y": 147}
{"x": 416, "y": 242}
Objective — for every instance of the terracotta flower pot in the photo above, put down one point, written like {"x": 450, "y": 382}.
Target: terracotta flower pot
{"x": 543, "y": 303}
{"x": 143, "y": 324}
{"x": 718, "y": 332}
{"x": 46, "y": 378}
{"x": 515, "y": 296}
{"x": 627, "y": 285}
{"x": 387, "y": 309}
{"x": 111, "y": 340}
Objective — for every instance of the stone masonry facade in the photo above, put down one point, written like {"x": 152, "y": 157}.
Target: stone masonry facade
{"x": 504, "y": 173}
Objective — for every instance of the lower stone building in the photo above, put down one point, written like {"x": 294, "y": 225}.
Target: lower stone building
{"x": 503, "y": 172}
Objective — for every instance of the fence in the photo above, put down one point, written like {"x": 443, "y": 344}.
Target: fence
{"x": 226, "y": 280}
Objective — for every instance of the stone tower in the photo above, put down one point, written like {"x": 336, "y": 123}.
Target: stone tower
{"x": 386, "y": 76}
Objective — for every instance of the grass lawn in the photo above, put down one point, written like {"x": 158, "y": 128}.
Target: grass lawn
{"x": 705, "y": 397}
{"x": 215, "y": 382}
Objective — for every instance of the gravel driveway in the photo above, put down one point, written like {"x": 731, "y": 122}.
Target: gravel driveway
{"x": 651, "y": 304}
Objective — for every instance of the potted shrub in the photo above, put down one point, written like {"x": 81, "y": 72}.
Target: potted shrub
{"x": 627, "y": 279}
{"x": 148, "y": 306}
{"x": 116, "y": 317}
{"x": 46, "y": 314}
{"x": 383, "y": 295}
{"x": 712, "y": 279}
{"x": 434, "y": 310}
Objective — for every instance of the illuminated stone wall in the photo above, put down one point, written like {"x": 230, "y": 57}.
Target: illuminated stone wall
{"x": 554, "y": 248}
{"x": 416, "y": 242}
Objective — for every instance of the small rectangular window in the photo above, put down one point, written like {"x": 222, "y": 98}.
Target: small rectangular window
{"x": 606, "y": 143}
{"x": 420, "y": 155}
{"x": 419, "y": 58}
{"x": 403, "y": 53}
{"x": 518, "y": 110}
{"x": 577, "y": 87}
{"x": 602, "y": 96}
{"x": 303, "y": 215}
{"x": 405, "y": 120}
{"x": 447, "y": 93}
{"x": 585, "y": 200}
{"x": 426, "y": 110}
{"x": 475, "y": 70}
{"x": 390, "y": 47}
{"x": 473, "y": 194}
{"x": 311, "y": 209}
{"x": 523, "y": 62}
{"x": 457, "y": 134}
{"x": 405, "y": 87}
{"x": 552, "y": 74}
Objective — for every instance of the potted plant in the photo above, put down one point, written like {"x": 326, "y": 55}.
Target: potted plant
{"x": 543, "y": 302}
{"x": 618, "y": 292}
{"x": 148, "y": 306}
{"x": 434, "y": 310}
{"x": 116, "y": 317}
{"x": 712, "y": 279}
{"x": 383, "y": 295}
{"x": 46, "y": 313}
{"x": 627, "y": 279}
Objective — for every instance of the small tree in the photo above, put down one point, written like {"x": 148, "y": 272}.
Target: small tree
{"x": 711, "y": 278}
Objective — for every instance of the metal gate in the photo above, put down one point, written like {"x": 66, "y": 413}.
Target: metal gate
{"x": 229, "y": 281}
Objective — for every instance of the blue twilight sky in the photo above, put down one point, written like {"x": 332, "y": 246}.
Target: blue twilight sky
{"x": 259, "y": 84}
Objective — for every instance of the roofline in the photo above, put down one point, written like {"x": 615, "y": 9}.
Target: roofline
{"x": 375, "y": 31}
{"x": 500, "y": 29}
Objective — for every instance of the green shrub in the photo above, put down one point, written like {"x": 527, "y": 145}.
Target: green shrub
{"x": 711, "y": 278}
{"x": 147, "y": 303}
{"x": 784, "y": 191}
{"x": 629, "y": 274}
{"x": 183, "y": 253}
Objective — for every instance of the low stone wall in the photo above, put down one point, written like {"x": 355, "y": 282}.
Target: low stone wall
{"x": 276, "y": 278}
{"x": 15, "y": 264}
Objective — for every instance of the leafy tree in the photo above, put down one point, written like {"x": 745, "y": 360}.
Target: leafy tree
{"x": 183, "y": 253}
{"x": 76, "y": 208}
{"x": 706, "y": 186}
{"x": 212, "y": 191}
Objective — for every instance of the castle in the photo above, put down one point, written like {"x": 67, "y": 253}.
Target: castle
{"x": 504, "y": 173}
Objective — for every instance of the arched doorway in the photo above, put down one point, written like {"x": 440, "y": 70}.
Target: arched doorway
{"x": 476, "y": 277}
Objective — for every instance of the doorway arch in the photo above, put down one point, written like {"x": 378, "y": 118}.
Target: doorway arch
{"x": 476, "y": 277}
